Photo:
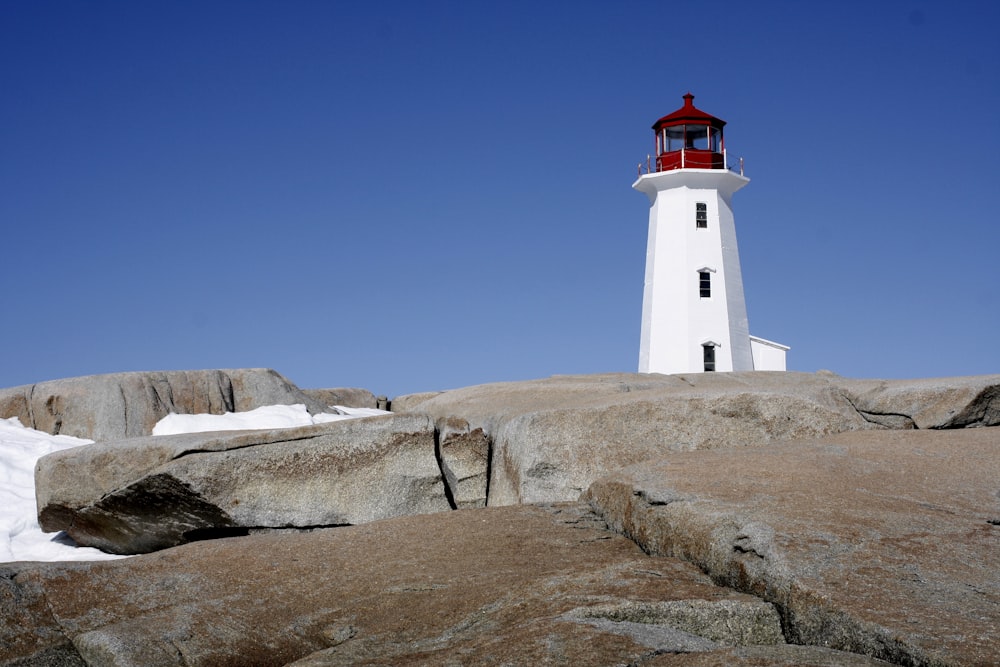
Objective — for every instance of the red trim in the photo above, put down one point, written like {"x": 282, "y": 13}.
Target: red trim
{"x": 694, "y": 158}
{"x": 688, "y": 113}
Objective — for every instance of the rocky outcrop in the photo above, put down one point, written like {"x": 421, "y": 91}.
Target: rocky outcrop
{"x": 881, "y": 543}
{"x": 128, "y": 405}
{"x": 464, "y": 454}
{"x": 349, "y": 397}
{"x": 509, "y": 586}
{"x": 409, "y": 402}
{"x": 139, "y": 495}
{"x": 928, "y": 403}
{"x": 552, "y": 438}
{"x": 840, "y": 515}
{"x": 502, "y": 444}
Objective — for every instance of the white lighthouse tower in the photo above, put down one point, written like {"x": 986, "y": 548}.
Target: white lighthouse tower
{"x": 694, "y": 314}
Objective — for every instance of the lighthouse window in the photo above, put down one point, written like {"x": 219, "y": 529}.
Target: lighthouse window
{"x": 696, "y": 136}
{"x": 714, "y": 140}
{"x": 705, "y": 284}
{"x": 708, "y": 356}
{"x": 674, "y": 137}
{"x": 701, "y": 215}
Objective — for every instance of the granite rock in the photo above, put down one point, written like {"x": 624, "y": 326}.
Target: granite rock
{"x": 348, "y": 397}
{"x": 882, "y": 543}
{"x": 551, "y": 438}
{"x": 464, "y": 455}
{"x": 492, "y": 586}
{"x": 139, "y": 495}
{"x": 128, "y": 405}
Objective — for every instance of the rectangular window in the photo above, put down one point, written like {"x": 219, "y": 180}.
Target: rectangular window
{"x": 704, "y": 284}
{"x": 708, "y": 354}
{"x": 701, "y": 216}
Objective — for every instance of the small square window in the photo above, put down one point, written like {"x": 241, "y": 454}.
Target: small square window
{"x": 705, "y": 284}
{"x": 701, "y": 215}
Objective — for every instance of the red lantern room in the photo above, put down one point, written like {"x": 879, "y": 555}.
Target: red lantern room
{"x": 689, "y": 138}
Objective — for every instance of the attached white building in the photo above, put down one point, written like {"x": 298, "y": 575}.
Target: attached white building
{"x": 694, "y": 314}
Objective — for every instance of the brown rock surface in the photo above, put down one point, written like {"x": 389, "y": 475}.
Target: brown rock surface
{"x": 519, "y": 585}
{"x": 879, "y": 542}
{"x": 883, "y": 543}
{"x": 785, "y": 655}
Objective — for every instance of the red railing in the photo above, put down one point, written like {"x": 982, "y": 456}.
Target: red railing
{"x": 689, "y": 158}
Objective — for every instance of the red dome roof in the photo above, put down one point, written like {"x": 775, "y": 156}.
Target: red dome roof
{"x": 688, "y": 113}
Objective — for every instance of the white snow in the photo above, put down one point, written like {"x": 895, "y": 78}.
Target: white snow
{"x": 21, "y": 539}
{"x": 20, "y": 536}
{"x": 270, "y": 416}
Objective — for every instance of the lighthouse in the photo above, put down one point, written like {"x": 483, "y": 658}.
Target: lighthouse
{"x": 694, "y": 313}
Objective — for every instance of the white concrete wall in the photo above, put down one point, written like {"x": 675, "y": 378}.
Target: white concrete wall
{"x": 676, "y": 321}
{"x": 767, "y": 355}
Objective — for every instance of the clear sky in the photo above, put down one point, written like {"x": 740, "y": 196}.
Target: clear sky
{"x": 410, "y": 196}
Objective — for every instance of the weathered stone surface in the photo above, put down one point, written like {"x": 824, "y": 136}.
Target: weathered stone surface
{"x": 882, "y": 543}
{"x": 349, "y": 397}
{"x": 135, "y": 496}
{"x": 488, "y": 586}
{"x": 29, "y": 635}
{"x": 128, "y": 405}
{"x": 551, "y": 438}
{"x": 409, "y": 402}
{"x": 878, "y": 542}
{"x": 723, "y": 622}
{"x": 928, "y": 403}
{"x": 464, "y": 454}
{"x": 784, "y": 655}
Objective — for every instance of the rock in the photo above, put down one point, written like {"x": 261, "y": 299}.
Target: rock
{"x": 464, "y": 454}
{"x": 409, "y": 402}
{"x": 552, "y": 438}
{"x": 29, "y": 635}
{"x": 929, "y": 403}
{"x": 835, "y": 532}
{"x": 722, "y": 622}
{"x": 487, "y": 586}
{"x": 127, "y": 405}
{"x": 785, "y": 655}
{"x": 349, "y": 397}
{"x": 881, "y": 543}
{"x": 139, "y": 495}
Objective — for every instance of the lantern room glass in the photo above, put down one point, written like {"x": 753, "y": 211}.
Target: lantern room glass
{"x": 699, "y": 137}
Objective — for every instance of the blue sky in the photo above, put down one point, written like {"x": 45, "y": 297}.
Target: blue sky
{"x": 410, "y": 196}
